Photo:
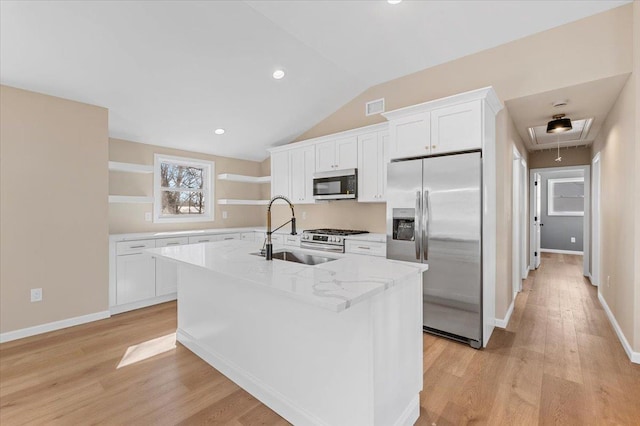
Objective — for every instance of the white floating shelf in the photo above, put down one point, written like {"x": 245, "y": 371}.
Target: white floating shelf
{"x": 130, "y": 167}
{"x": 244, "y": 202}
{"x": 243, "y": 178}
{"x": 129, "y": 199}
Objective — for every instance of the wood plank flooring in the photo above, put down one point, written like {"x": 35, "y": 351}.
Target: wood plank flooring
{"x": 558, "y": 362}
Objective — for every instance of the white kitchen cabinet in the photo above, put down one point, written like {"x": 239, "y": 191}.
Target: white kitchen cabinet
{"x": 136, "y": 277}
{"x": 302, "y": 165}
{"x": 292, "y": 240}
{"x": 167, "y": 272}
{"x": 410, "y": 136}
{"x": 224, "y": 237}
{"x": 280, "y": 174}
{"x": 338, "y": 154}
{"x": 202, "y": 239}
{"x": 456, "y": 128}
{"x": 370, "y": 248}
{"x": 372, "y": 166}
{"x": 248, "y": 236}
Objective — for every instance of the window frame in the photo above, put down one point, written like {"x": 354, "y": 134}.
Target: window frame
{"x": 207, "y": 189}
{"x": 551, "y": 210}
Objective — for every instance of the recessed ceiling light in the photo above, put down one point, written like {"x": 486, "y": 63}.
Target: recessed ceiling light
{"x": 219, "y": 131}
{"x": 393, "y": 1}
{"x": 278, "y": 74}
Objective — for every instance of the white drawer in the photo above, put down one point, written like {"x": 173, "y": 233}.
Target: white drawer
{"x": 133, "y": 247}
{"x": 202, "y": 239}
{"x": 248, "y": 236}
{"x": 176, "y": 241}
{"x": 223, "y": 237}
{"x": 371, "y": 248}
{"x": 292, "y": 240}
{"x": 277, "y": 239}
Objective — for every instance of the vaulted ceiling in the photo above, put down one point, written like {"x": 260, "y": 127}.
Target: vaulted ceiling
{"x": 171, "y": 72}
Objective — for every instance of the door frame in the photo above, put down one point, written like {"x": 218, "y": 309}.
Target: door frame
{"x": 586, "y": 225}
{"x": 596, "y": 165}
{"x": 519, "y": 267}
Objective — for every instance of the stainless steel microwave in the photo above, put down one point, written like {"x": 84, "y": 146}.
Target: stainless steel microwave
{"x": 335, "y": 184}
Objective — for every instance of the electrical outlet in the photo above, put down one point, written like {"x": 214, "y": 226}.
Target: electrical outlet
{"x": 608, "y": 280}
{"x": 225, "y": 215}
{"x": 147, "y": 216}
{"x": 304, "y": 215}
{"x": 573, "y": 239}
{"x": 36, "y": 295}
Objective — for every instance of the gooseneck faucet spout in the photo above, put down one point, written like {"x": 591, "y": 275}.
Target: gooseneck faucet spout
{"x": 269, "y": 248}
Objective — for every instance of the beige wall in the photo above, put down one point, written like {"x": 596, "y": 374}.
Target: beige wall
{"x": 595, "y": 47}
{"x": 53, "y": 210}
{"x": 574, "y": 156}
{"x": 636, "y": 76}
{"x": 617, "y": 144}
{"x": 125, "y": 218}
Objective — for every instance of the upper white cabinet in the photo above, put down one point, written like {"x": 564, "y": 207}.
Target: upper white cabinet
{"x": 337, "y": 154}
{"x": 302, "y": 165}
{"x": 410, "y": 136}
{"x": 372, "y": 166}
{"x": 451, "y": 124}
{"x": 456, "y": 128}
{"x": 280, "y": 174}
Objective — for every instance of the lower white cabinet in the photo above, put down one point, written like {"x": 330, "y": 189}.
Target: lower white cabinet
{"x": 166, "y": 272}
{"x": 223, "y": 237}
{"x": 371, "y": 248}
{"x": 202, "y": 239}
{"x": 292, "y": 240}
{"x": 248, "y": 236}
{"x": 136, "y": 278}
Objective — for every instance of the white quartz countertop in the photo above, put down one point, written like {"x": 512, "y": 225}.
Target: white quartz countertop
{"x": 188, "y": 233}
{"x": 334, "y": 285}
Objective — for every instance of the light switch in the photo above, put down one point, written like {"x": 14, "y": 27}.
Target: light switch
{"x": 225, "y": 215}
{"x": 147, "y": 216}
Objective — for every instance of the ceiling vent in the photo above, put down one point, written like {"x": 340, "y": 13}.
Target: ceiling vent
{"x": 578, "y": 133}
{"x": 374, "y": 107}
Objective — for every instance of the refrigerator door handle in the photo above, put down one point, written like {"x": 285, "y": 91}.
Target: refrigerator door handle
{"x": 425, "y": 233}
{"x": 416, "y": 226}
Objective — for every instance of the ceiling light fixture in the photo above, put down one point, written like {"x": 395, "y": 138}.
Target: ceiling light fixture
{"x": 219, "y": 131}
{"x": 393, "y": 1}
{"x": 278, "y": 74}
{"x": 559, "y": 124}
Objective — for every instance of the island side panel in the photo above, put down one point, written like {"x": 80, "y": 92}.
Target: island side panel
{"x": 398, "y": 359}
{"x": 309, "y": 364}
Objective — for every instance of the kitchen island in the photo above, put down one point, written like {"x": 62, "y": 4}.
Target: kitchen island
{"x": 339, "y": 343}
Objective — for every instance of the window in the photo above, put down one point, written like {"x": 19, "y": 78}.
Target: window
{"x": 565, "y": 197}
{"x": 183, "y": 189}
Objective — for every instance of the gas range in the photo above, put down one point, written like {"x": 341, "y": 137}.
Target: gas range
{"x": 326, "y": 239}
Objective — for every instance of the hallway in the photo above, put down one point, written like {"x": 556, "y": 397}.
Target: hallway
{"x": 558, "y": 362}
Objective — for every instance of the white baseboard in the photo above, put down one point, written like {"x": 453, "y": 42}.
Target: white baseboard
{"x": 118, "y": 309}
{"x": 410, "y": 414}
{"x": 52, "y": 326}
{"x": 503, "y": 323}
{"x": 633, "y": 356}
{"x": 580, "y": 253}
{"x": 591, "y": 280}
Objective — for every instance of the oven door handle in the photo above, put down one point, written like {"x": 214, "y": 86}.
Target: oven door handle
{"x": 322, "y": 247}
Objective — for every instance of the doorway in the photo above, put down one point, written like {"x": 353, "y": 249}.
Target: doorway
{"x": 558, "y": 194}
{"x": 595, "y": 220}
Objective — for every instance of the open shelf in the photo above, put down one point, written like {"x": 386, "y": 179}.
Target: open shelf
{"x": 243, "y": 178}
{"x": 130, "y": 167}
{"x": 129, "y": 199}
{"x": 243, "y": 202}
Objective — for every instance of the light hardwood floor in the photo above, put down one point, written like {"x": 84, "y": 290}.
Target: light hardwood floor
{"x": 558, "y": 362}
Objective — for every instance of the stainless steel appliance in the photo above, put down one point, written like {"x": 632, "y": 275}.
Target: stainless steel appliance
{"x": 335, "y": 184}
{"x": 331, "y": 240}
{"x": 434, "y": 216}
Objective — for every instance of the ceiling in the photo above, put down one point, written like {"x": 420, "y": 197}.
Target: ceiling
{"x": 588, "y": 100}
{"x": 171, "y": 72}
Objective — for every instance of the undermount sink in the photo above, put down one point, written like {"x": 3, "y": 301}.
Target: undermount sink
{"x": 298, "y": 257}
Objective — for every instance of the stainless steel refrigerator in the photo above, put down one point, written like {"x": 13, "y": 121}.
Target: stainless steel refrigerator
{"x": 434, "y": 216}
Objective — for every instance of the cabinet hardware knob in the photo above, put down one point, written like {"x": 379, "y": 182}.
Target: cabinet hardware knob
{"x": 137, "y": 246}
{"x": 433, "y": 146}
{"x": 364, "y": 248}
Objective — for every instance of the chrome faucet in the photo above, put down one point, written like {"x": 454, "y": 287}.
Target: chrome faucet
{"x": 269, "y": 247}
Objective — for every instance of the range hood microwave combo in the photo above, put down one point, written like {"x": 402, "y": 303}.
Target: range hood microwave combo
{"x": 335, "y": 185}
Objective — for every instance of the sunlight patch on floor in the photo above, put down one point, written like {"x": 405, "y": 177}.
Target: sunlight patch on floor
{"x": 148, "y": 349}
